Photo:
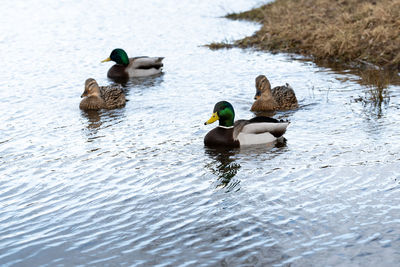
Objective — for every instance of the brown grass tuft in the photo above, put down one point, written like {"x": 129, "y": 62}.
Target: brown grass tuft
{"x": 377, "y": 82}
{"x": 219, "y": 45}
{"x": 346, "y": 31}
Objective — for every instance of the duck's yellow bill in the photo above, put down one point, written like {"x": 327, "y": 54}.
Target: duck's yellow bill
{"x": 105, "y": 60}
{"x": 213, "y": 118}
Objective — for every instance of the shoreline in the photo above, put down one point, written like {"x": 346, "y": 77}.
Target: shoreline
{"x": 363, "y": 34}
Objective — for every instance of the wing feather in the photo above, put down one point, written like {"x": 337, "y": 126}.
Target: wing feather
{"x": 146, "y": 62}
{"x": 277, "y": 129}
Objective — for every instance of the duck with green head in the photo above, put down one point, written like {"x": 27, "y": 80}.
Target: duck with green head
{"x": 126, "y": 67}
{"x": 230, "y": 133}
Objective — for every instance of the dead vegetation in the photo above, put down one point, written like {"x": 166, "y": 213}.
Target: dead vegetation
{"x": 219, "y": 45}
{"x": 377, "y": 82}
{"x": 360, "y": 32}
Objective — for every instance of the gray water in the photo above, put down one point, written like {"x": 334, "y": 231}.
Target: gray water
{"x": 136, "y": 187}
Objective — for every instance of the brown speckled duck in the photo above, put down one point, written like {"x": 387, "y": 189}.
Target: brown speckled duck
{"x": 279, "y": 98}
{"x": 99, "y": 97}
{"x": 132, "y": 67}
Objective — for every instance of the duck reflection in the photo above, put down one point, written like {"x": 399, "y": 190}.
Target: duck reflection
{"x": 94, "y": 122}
{"x": 149, "y": 81}
{"x": 93, "y": 118}
{"x": 377, "y": 96}
{"x": 99, "y": 119}
{"x": 272, "y": 149}
{"x": 224, "y": 166}
{"x": 223, "y": 162}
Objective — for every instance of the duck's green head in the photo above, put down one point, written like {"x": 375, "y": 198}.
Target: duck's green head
{"x": 119, "y": 56}
{"x": 223, "y": 111}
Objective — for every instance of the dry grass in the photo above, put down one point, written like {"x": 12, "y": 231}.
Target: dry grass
{"x": 377, "y": 82}
{"x": 346, "y": 31}
{"x": 219, "y": 45}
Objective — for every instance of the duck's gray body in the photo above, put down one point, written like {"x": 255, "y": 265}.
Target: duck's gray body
{"x": 138, "y": 67}
{"x": 259, "y": 130}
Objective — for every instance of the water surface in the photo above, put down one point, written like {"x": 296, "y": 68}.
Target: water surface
{"x": 135, "y": 186}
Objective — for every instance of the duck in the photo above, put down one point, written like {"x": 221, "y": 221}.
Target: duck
{"x": 132, "y": 67}
{"x": 230, "y": 133}
{"x": 279, "y": 98}
{"x": 97, "y": 97}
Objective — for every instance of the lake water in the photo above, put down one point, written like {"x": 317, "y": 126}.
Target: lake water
{"x": 136, "y": 186}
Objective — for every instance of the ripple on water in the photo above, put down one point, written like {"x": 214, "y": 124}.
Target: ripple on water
{"x": 136, "y": 186}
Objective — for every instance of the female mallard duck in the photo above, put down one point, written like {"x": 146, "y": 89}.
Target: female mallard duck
{"x": 132, "y": 67}
{"x": 258, "y": 130}
{"x": 279, "y": 98}
{"x": 108, "y": 97}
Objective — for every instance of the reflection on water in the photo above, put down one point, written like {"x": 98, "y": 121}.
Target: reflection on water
{"x": 131, "y": 186}
{"x": 270, "y": 150}
{"x": 96, "y": 120}
{"x": 224, "y": 161}
{"x": 224, "y": 166}
{"x": 377, "y": 80}
{"x": 376, "y": 98}
{"x": 149, "y": 81}
{"x": 364, "y": 75}
{"x": 93, "y": 118}
{"x": 374, "y": 102}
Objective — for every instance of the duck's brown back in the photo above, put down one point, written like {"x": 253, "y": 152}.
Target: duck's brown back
{"x": 113, "y": 96}
{"x": 285, "y": 97}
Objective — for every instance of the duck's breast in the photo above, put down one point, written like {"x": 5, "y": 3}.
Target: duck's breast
{"x": 117, "y": 72}
{"x": 92, "y": 103}
{"x": 220, "y": 137}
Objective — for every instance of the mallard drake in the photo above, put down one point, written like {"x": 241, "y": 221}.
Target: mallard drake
{"x": 258, "y": 130}
{"x": 279, "y": 98}
{"x": 99, "y": 97}
{"x": 132, "y": 67}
